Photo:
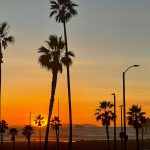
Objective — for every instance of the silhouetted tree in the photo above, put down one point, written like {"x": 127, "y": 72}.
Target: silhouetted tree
{"x": 105, "y": 115}
{"x": 136, "y": 118}
{"x": 13, "y": 132}
{"x": 27, "y": 132}
{"x": 52, "y": 59}
{"x": 64, "y": 11}
{"x": 3, "y": 128}
{"x": 4, "y": 41}
{"x": 55, "y": 124}
{"x": 39, "y": 121}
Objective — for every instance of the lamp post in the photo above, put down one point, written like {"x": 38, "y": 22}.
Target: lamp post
{"x": 114, "y": 120}
{"x": 121, "y": 133}
{"x": 124, "y": 106}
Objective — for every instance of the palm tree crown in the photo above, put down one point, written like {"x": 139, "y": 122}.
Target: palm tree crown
{"x": 104, "y": 113}
{"x": 51, "y": 56}
{"x": 27, "y": 131}
{"x": 55, "y": 123}
{"x": 136, "y": 117}
{"x": 4, "y": 38}
{"x": 39, "y": 120}
{"x": 3, "y": 126}
{"x": 13, "y": 132}
{"x": 63, "y": 10}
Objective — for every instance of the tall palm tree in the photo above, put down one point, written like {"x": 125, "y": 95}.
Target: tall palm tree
{"x": 39, "y": 121}
{"x": 136, "y": 118}
{"x": 55, "y": 124}
{"x": 105, "y": 114}
{"x": 4, "y": 41}
{"x": 52, "y": 59}
{"x": 3, "y": 128}
{"x": 64, "y": 11}
{"x": 13, "y": 132}
{"x": 27, "y": 132}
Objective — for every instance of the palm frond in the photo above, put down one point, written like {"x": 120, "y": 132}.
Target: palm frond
{"x": 135, "y": 116}
{"x": 66, "y": 61}
{"x": 44, "y": 61}
{"x": 53, "y": 13}
{"x": 63, "y": 9}
{"x": 44, "y": 50}
{"x": 3, "y": 29}
{"x": 7, "y": 40}
{"x": 71, "y": 53}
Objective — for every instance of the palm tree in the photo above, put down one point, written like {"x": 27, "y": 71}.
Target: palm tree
{"x": 27, "y": 132}
{"x": 3, "y": 128}
{"x": 39, "y": 121}
{"x": 64, "y": 11}
{"x": 52, "y": 59}
{"x": 105, "y": 114}
{"x": 55, "y": 124}
{"x": 13, "y": 132}
{"x": 4, "y": 41}
{"x": 136, "y": 118}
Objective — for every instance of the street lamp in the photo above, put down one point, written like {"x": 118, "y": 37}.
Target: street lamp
{"x": 121, "y": 133}
{"x": 124, "y": 106}
{"x": 114, "y": 120}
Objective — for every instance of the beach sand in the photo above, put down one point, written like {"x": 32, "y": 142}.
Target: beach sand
{"x": 80, "y": 145}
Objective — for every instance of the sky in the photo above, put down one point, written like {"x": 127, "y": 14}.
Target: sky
{"x": 107, "y": 37}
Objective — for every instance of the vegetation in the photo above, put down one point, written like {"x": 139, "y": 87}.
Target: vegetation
{"x": 3, "y": 128}
{"x": 136, "y": 118}
{"x": 64, "y": 11}
{"x": 52, "y": 59}
{"x": 4, "y": 41}
{"x": 13, "y": 132}
{"x": 55, "y": 124}
{"x": 27, "y": 132}
{"x": 105, "y": 115}
{"x": 39, "y": 121}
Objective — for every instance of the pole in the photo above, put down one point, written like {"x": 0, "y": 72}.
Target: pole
{"x": 124, "y": 113}
{"x": 121, "y": 128}
{"x": 114, "y": 121}
{"x": 124, "y": 107}
{"x": 30, "y": 119}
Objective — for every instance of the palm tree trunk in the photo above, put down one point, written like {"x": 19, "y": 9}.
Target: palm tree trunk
{"x": 53, "y": 88}
{"x": 107, "y": 137}
{"x": 13, "y": 145}
{"x": 0, "y": 92}
{"x": 58, "y": 138}
{"x": 2, "y": 139}
{"x": 69, "y": 91}
{"x": 142, "y": 138}
{"x": 0, "y": 79}
{"x": 40, "y": 136}
{"x": 137, "y": 139}
{"x": 29, "y": 144}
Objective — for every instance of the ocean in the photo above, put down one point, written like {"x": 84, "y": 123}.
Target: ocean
{"x": 87, "y": 132}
